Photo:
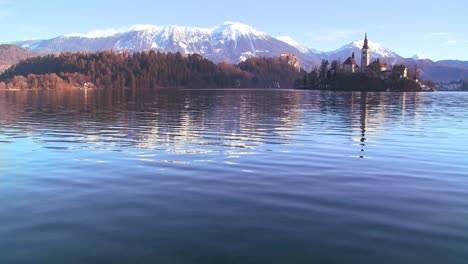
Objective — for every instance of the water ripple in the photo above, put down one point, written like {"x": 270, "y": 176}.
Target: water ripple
{"x": 236, "y": 176}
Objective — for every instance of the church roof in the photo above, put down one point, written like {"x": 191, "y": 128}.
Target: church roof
{"x": 350, "y": 61}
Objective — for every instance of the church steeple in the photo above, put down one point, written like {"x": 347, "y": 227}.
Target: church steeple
{"x": 365, "y": 54}
{"x": 366, "y": 43}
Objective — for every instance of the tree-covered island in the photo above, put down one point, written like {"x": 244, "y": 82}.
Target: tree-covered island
{"x": 367, "y": 76}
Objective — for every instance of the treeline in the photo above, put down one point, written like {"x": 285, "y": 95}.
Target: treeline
{"x": 146, "y": 70}
{"x": 331, "y": 76}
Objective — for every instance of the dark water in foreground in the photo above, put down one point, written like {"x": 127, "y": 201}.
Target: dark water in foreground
{"x": 233, "y": 177}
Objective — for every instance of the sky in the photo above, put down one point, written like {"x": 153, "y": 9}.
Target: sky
{"x": 433, "y": 29}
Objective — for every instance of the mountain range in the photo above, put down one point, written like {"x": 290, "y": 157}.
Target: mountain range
{"x": 231, "y": 42}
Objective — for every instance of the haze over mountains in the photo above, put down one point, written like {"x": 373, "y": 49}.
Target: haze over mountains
{"x": 231, "y": 42}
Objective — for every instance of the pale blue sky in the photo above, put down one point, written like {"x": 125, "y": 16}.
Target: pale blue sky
{"x": 435, "y": 30}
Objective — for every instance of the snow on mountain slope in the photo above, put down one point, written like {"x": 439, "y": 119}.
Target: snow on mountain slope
{"x": 377, "y": 51}
{"x": 292, "y": 42}
{"x": 112, "y": 31}
{"x": 419, "y": 57}
{"x": 376, "y": 48}
{"x": 234, "y": 30}
{"x": 230, "y": 42}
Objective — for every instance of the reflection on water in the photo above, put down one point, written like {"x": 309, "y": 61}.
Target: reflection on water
{"x": 175, "y": 120}
{"x": 233, "y": 176}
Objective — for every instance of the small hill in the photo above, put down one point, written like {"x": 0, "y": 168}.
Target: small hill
{"x": 11, "y": 54}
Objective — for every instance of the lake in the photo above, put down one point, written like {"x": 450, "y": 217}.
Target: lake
{"x": 233, "y": 176}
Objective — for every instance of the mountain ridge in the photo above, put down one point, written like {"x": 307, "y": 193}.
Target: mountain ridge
{"x": 231, "y": 42}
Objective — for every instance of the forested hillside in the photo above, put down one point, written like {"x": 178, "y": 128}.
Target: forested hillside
{"x": 146, "y": 70}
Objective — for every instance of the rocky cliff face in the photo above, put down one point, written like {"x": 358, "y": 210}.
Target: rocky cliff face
{"x": 292, "y": 60}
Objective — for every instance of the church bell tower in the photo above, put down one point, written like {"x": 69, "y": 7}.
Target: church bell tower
{"x": 365, "y": 56}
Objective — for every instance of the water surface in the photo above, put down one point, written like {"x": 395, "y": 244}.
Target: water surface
{"x": 233, "y": 176}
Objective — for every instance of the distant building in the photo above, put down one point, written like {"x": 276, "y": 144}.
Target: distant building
{"x": 292, "y": 60}
{"x": 88, "y": 85}
{"x": 376, "y": 69}
{"x": 400, "y": 71}
{"x": 376, "y": 66}
{"x": 350, "y": 65}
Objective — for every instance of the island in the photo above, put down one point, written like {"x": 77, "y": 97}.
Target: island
{"x": 366, "y": 76}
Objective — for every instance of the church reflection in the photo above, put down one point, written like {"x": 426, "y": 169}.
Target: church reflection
{"x": 363, "y": 104}
{"x": 175, "y": 121}
{"x": 372, "y": 115}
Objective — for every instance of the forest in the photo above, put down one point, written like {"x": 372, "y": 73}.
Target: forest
{"x": 146, "y": 70}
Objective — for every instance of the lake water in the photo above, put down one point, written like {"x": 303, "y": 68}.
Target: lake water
{"x": 233, "y": 176}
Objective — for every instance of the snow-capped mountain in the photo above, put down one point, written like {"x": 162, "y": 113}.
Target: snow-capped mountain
{"x": 112, "y": 31}
{"x": 377, "y": 51}
{"x": 231, "y": 42}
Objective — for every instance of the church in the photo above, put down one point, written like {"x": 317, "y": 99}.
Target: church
{"x": 376, "y": 69}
